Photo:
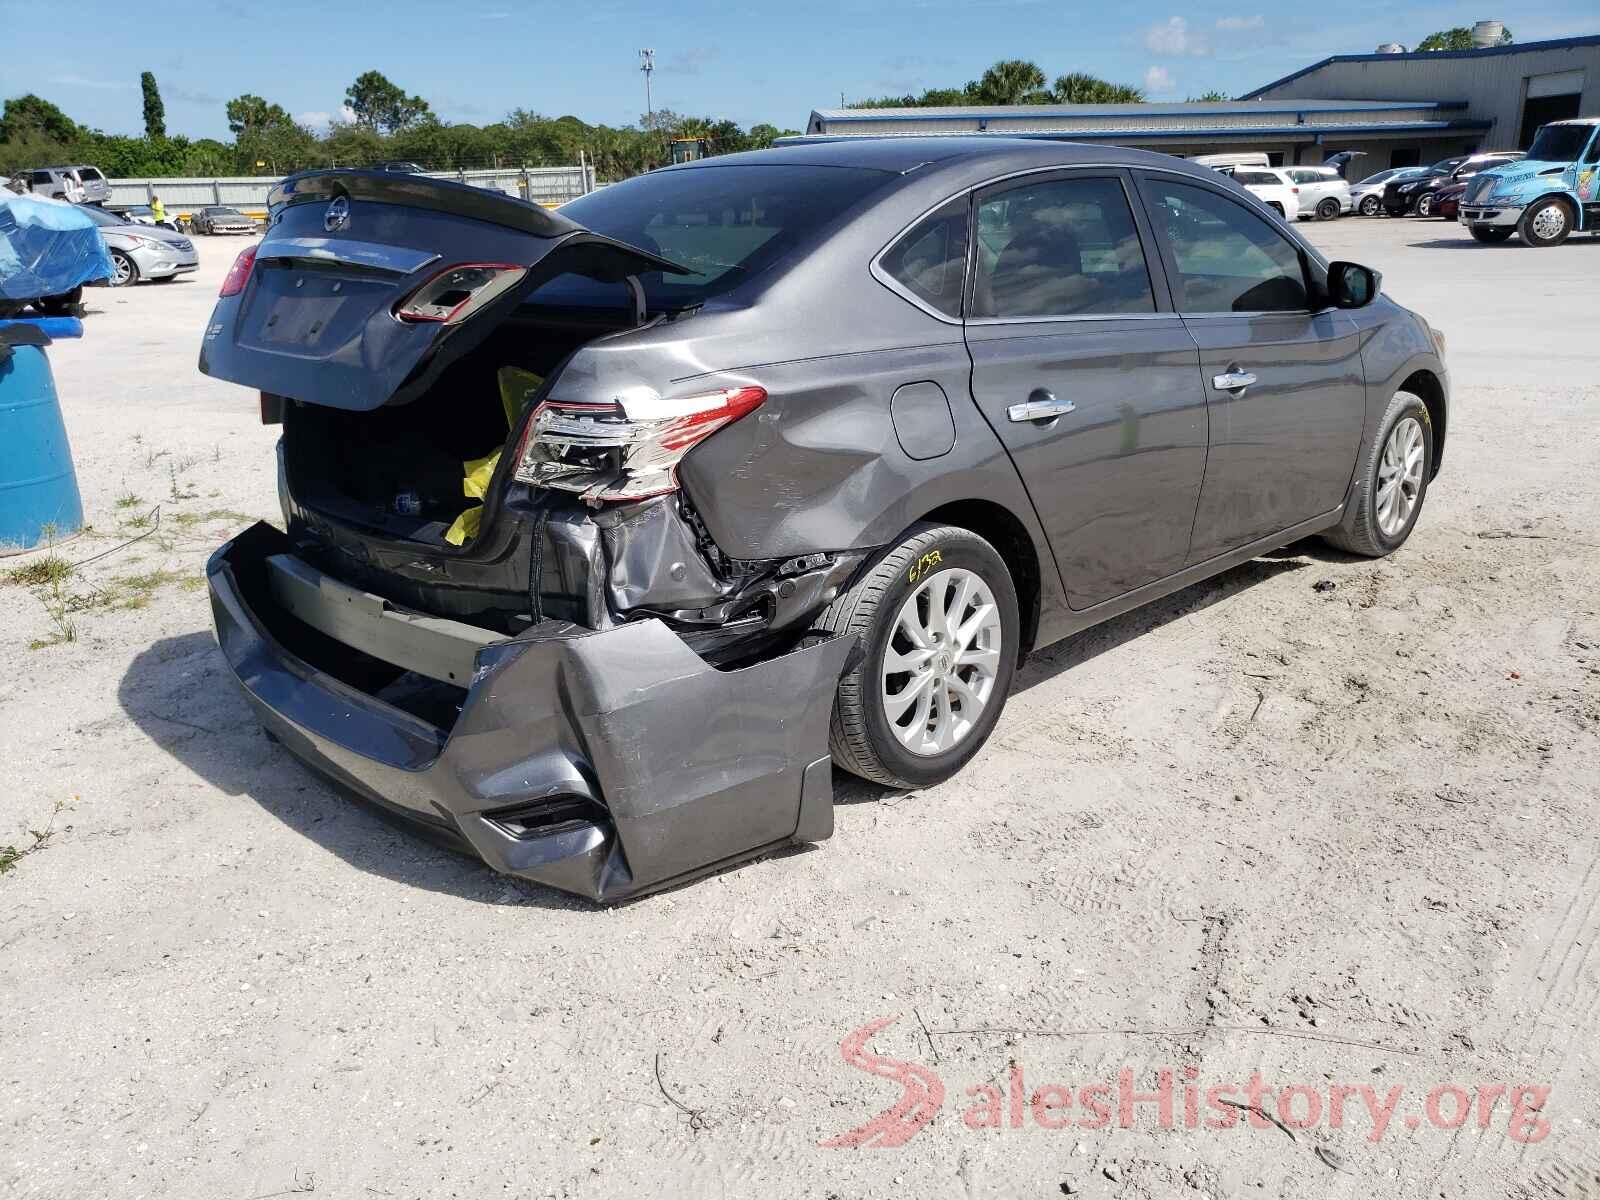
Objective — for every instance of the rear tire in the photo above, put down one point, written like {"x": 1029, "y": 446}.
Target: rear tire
{"x": 1372, "y": 527}
{"x": 1277, "y": 208}
{"x": 1491, "y": 234}
{"x": 64, "y": 305}
{"x": 1547, "y": 223}
{"x": 917, "y": 587}
{"x": 1328, "y": 209}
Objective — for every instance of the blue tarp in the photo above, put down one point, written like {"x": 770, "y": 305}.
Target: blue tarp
{"x": 47, "y": 248}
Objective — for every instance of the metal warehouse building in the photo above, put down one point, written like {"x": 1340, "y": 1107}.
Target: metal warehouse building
{"x": 1399, "y": 109}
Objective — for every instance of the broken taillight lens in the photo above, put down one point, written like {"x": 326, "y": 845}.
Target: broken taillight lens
{"x": 455, "y": 293}
{"x": 626, "y": 448}
{"x": 233, "y": 282}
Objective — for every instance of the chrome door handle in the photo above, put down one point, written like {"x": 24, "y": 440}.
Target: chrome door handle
{"x": 1040, "y": 406}
{"x": 1232, "y": 381}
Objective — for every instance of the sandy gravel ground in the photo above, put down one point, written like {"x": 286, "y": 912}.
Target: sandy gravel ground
{"x": 1333, "y": 835}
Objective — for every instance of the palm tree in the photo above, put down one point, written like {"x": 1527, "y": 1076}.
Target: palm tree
{"x": 1009, "y": 82}
{"x": 1079, "y": 88}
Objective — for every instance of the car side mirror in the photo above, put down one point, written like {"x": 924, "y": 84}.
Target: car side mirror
{"x": 1350, "y": 285}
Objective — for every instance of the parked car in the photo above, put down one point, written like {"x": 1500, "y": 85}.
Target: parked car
{"x": 143, "y": 251}
{"x": 77, "y": 184}
{"x": 1323, "y": 192}
{"x": 1274, "y": 188}
{"x": 743, "y": 518}
{"x": 1418, "y": 195}
{"x": 1447, "y": 200}
{"x": 141, "y": 214}
{"x": 1368, "y": 194}
{"x": 220, "y": 218}
{"x": 1226, "y": 163}
{"x": 1553, "y": 191}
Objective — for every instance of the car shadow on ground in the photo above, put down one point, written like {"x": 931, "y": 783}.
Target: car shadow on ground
{"x": 1044, "y": 665}
{"x": 180, "y": 692}
{"x": 1469, "y": 243}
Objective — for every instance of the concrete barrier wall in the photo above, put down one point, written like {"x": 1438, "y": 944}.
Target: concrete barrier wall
{"x": 543, "y": 185}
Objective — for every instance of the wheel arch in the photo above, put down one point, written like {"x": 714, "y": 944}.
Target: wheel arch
{"x": 1003, "y": 530}
{"x": 1426, "y": 384}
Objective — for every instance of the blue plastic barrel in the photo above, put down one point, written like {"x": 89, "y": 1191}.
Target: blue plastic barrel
{"x": 39, "y": 499}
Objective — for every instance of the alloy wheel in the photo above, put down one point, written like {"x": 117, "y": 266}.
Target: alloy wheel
{"x": 121, "y": 270}
{"x": 941, "y": 661}
{"x": 1400, "y": 476}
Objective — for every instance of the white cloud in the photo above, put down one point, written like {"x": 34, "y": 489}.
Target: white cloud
{"x": 319, "y": 120}
{"x": 1173, "y": 38}
{"x": 1158, "y": 81}
{"x": 1240, "y": 24}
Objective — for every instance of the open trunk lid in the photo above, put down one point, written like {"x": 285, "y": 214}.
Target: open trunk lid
{"x": 317, "y": 318}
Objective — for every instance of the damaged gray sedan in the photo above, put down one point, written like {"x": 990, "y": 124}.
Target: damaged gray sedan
{"x": 609, "y": 531}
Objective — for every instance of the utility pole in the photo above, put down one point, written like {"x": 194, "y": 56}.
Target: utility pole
{"x": 647, "y": 64}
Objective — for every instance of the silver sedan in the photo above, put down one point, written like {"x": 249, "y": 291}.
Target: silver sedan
{"x": 143, "y": 251}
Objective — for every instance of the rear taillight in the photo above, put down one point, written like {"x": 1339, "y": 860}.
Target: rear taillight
{"x": 238, "y": 274}
{"x": 455, "y": 293}
{"x": 626, "y": 448}
{"x": 1296, "y": 191}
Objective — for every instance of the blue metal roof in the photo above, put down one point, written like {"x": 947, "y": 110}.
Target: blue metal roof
{"x": 1315, "y": 132}
{"x": 1485, "y": 52}
{"x": 1200, "y": 108}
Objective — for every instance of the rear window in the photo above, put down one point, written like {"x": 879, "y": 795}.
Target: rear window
{"x": 90, "y": 174}
{"x": 726, "y": 224}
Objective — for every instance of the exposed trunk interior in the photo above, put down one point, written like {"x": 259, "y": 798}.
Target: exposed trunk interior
{"x": 398, "y": 469}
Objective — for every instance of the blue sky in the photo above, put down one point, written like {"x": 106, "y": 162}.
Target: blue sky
{"x": 476, "y": 59}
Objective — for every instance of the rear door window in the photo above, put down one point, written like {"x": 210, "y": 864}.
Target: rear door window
{"x": 1059, "y": 247}
{"x": 1227, "y": 258}
{"x": 930, "y": 260}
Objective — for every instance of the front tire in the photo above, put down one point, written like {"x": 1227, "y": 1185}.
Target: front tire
{"x": 1546, "y": 224}
{"x": 1491, "y": 235}
{"x": 1425, "y": 205}
{"x": 1370, "y": 206}
{"x": 1328, "y": 210}
{"x": 939, "y": 627}
{"x": 1387, "y": 496}
{"x": 124, "y": 271}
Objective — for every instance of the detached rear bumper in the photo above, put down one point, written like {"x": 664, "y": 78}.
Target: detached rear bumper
{"x": 604, "y": 764}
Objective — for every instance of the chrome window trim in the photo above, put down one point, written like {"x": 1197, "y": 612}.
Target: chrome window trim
{"x": 878, "y": 272}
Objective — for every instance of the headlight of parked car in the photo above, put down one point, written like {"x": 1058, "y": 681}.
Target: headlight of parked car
{"x": 1408, "y": 187}
{"x": 152, "y": 243}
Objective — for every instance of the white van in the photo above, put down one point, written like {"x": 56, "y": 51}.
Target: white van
{"x": 1227, "y": 162}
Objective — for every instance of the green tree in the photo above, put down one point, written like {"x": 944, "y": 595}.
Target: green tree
{"x": 381, "y": 105}
{"x": 155, "y": 112}
{"x": 1213, "y": 95}
{"x": 1079, "y": 88}
{"x": 1010, "y": 81}
{"x": 34, "y": 116}
{"x": 1459, "y": 38}
{"x": 250, "y": 113}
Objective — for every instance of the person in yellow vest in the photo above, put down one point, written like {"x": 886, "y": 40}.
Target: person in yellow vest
{"x": 159, "y": 209}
